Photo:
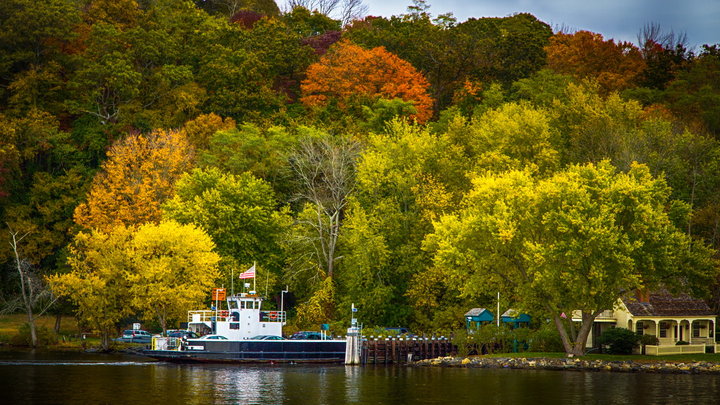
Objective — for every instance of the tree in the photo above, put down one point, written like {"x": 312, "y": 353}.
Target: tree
{"x": 238, "y": 211}
{"x": 576, "y": 241}
{"x": 586, "y": 54}
{"x": 406, "y": 178}
{"x": 343, "y": 10}
{"x": 512, "y": 136}
{"x": 97, "y": 284}
{"x": 349, "y": 74}
{"x": 172, "y": 267}
{"x": 138, "y": 176}
{"x": 325, "y": 168}
{"x": 31, "y": 287}
{"x": 264, "y": 153}
{"x": 199, "y": 130}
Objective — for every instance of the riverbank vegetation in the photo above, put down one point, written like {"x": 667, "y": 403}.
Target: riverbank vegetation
{"x": 413, "y": 165}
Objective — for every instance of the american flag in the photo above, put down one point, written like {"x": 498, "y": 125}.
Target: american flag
{"x": 249, "y": 273}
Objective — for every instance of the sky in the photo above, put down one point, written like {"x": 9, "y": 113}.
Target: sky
{"x": 621, "y": 20}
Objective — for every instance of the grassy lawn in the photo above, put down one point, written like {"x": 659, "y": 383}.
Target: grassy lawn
{"x": 9, "y": 324}
{"x": 680, "y": 358}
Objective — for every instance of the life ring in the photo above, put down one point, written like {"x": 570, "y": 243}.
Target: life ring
{"x": 273, "y": 316}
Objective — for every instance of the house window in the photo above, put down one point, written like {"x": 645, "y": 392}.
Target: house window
{"x": 696, "y": 329}
{"x": 639, "y": 328}
{"x": 663, "y": 329}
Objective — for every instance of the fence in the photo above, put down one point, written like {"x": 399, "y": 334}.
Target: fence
{"x": 653, "y": 350}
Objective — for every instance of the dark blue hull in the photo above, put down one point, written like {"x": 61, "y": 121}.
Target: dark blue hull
{"x": 254, "y": 351}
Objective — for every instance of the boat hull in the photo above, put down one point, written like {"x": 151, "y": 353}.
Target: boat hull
{"x": 255, "y": 351}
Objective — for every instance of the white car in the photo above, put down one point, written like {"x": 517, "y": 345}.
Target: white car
{"x": 213, "y": 337}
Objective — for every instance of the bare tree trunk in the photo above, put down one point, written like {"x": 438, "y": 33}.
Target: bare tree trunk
{"x": 58, "y": 320}
{"x": 25, "y": 288}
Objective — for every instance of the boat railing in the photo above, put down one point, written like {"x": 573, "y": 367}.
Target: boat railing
{"x": 210, "y": 315}
{"x": 166, "y": 343}
{"x": 272, "y": 316}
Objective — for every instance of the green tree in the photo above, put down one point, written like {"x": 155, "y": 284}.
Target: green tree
{"x": 406, "y": 178}
{"x": 239, "y": 212}
{"x": 578, "y": 240}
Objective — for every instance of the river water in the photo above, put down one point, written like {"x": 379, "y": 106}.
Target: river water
{"x": 55, "y": 378}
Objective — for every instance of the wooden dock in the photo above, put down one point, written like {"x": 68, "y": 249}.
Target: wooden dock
{"x": 402, "y": 350}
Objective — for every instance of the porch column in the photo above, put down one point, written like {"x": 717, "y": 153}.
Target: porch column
{"x": 657, "y": 329}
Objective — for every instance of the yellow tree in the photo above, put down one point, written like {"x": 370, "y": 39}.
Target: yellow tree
{"x": 172, "y": 269}
{"x": 97, "y": 283}
{"x": 349, "y": 74}
{"x": 137, "y": 177}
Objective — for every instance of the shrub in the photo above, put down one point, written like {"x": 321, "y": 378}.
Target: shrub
{"x": 545, "y": 339}
{"x": 619, "y": 340}
{"x": 649, "y": 340}
{"x": 681, "y": 343}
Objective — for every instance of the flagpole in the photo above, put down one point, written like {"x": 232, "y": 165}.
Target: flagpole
{"x": 232, "y": 281}
{"x": 254, "y": 276}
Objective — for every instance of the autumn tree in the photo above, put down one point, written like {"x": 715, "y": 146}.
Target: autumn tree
{"x": 172, "y": 268}
{"x": 576, "y": 241}
{"x": 97, "y": 284}
{"x": 200, "y": 129}
{"x": 159, "y": 271}
{"x": 349, "y": 74}
{"x": 137, "y": 177}
{"x": 584, "y": 54}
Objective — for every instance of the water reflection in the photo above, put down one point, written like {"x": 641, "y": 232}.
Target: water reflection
{"x": 103, "y": 379}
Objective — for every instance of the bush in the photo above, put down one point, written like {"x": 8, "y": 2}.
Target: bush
{"x": 45, "y": 336}
{"x": 464, "y": 342}
{"x": 649, "y": 340}
{"x": 681, "y": 343}
{"x": 619, "y": 340}
{"x": 545, "y": 339}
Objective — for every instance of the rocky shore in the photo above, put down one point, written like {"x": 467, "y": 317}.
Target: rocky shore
{"x": 573, "y": 364}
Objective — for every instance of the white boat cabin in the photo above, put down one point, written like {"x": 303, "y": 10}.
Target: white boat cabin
{"x": 242, "y": 318}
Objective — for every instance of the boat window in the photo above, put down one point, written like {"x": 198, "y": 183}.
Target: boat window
{"x": 242, "y": 304}
{"x": 233, "y": 304}
{"x": 234, "y": 325}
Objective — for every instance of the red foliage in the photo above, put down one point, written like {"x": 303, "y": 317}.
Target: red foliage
{"x": 246, "y": 18}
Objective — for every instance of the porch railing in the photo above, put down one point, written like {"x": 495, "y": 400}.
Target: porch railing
{"x": 654, "y": 350}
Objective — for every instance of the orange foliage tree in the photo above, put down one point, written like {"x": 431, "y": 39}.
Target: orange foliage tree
{"x": 348, "y": 73}
{"x": 138, "y": 176}
{"x": 584, "y": 54}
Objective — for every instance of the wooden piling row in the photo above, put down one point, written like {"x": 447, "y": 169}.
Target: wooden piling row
{"x": 397, "y": 351}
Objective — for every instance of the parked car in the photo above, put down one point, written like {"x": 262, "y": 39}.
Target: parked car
{"x": 180, "y": 333}
{"x": 306, "y": 335}
{"x": 213, "y": 337}
{"x": 267, "y": 337}
{"x": 135, "y": 336}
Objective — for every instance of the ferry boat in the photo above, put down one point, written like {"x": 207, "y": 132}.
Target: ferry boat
{"x": 244, "y": 332}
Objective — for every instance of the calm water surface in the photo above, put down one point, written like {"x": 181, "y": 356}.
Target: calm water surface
{"x": 51, "y": 378}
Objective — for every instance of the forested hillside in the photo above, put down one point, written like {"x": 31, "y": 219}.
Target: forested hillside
{"x": 413, "y": 165}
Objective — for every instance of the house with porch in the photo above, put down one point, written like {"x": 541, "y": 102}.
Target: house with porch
{"x": 670, "y": 318}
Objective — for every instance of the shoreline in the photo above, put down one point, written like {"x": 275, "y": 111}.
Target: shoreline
{"x": 573, "y": 364}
